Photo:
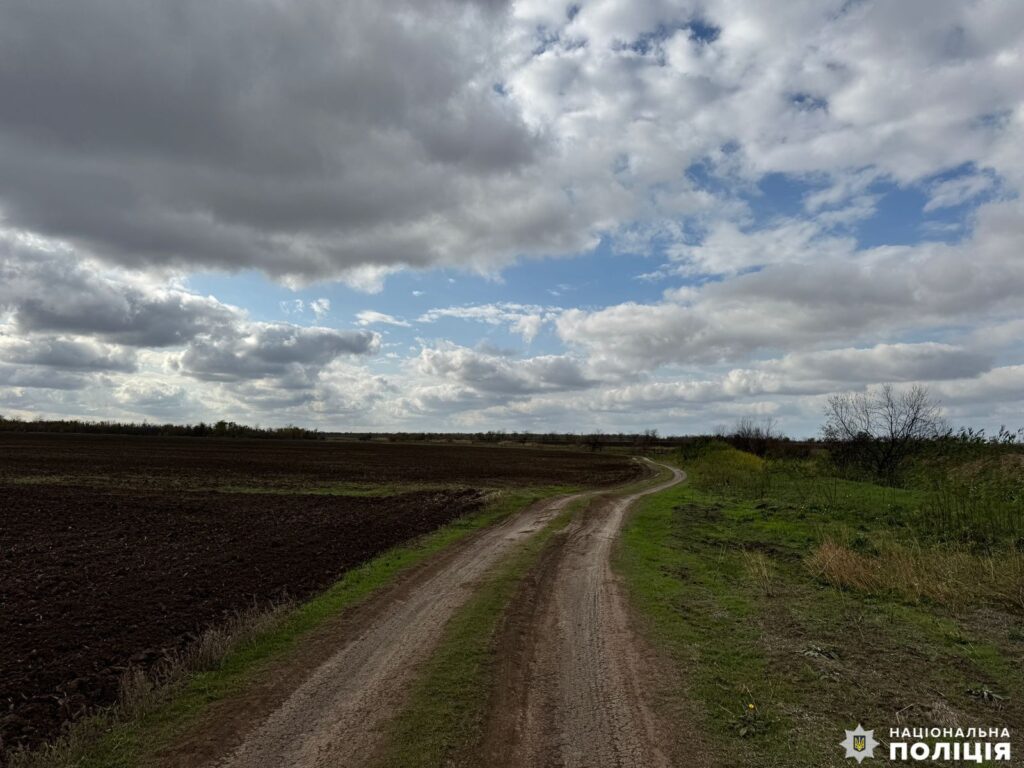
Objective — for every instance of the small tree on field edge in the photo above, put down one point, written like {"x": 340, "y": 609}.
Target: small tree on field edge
{"x": 878, "y": 431}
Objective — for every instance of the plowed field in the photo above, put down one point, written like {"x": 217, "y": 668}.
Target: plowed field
{"x": 115, "y": 550}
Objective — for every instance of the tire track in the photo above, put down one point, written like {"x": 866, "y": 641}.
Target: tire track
{"x": 571, "y": 691}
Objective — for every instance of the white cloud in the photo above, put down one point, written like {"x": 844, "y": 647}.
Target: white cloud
{"x": 370, "y": 317}
{"x": 498, "y": 374}
{"x": 958, "y": 191}
{"x": 293, "y": 307}
{"x": 727, "y": 248}
{"x": 320, "y": 308}
{"x": 791, "y": 305}
{"x": 526, "y": 320}
{"x": 350, "y": 142}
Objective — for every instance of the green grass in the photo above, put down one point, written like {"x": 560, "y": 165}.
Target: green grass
{"x": 104, "y": 742}
{"x": 443, "y": 720}
{"x": 718, "y": 571}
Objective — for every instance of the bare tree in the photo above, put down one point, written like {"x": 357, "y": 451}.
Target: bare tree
{"x": 880, "y": 430}
{"x": 765, "y": 428}
{"x": 593, "y": 440}
{"x": 755, "y": 435}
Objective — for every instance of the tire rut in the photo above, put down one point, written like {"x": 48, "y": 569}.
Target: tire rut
{"x": 572, "y": 675}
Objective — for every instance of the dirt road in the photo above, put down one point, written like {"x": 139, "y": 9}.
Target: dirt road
{"x": 572, "y": 698}
{"x": 334, "y": 717}
{"x": 572, "y": 679}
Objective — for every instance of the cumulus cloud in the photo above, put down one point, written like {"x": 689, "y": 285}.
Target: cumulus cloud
{"x": 317, "y": 141}
{"x": 154, "y": 397}
{"x": 51, "y": 290}
{"x": 67, "y": 321}
{"x": 19, "y": 377}
{"x": 498, "y": 374}
{"x": 306, "y": 140}
{"x": 264, "y": 350}
{"x": 927, "y": 361}
{"x": 68, "y": 354}
{"x": 320, "y": 140}
{"x": 785, "y": 306}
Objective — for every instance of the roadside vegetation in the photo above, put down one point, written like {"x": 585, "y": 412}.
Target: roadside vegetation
{"x": 802, "y": 593}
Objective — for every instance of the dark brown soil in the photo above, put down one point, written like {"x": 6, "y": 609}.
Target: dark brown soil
{"x": 208, "y": 462}
{"x": 92, "y": 580}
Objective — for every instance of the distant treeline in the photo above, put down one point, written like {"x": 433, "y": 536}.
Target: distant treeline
{"x": 202, "y": 429}
{"x": 594, "y": 441}
{"x": 761, "y": 438}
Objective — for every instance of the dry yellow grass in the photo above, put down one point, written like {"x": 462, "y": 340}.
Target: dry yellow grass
{"x": 761, "y": 571}
{"x": 944, "y": 575}
{"x": 141, "y": 692}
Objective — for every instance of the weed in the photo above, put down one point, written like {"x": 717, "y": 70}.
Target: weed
{"x": 761, "y": 571}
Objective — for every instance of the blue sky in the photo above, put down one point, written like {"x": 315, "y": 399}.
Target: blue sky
{"x": 591, "y": 279}
{"x": 517, "y": 215}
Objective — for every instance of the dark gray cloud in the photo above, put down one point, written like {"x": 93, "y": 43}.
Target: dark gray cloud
{"x": 289, "y": 353}
{"x": 57, "y": 293}
{"x": 926, "y": 361}
{"x": 67, "y": 354}
{"x": 65, "y": 314}
{"x": 302, "y": 138}
{"x": 36, "y": 377}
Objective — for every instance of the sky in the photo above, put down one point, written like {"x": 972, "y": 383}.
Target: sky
{"x": 608, "y": 215}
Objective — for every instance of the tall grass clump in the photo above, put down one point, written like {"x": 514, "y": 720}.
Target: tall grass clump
{"x": 978, "y": 503}
{"x": 951, "y": 576}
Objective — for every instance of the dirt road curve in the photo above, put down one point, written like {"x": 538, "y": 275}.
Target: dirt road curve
{"x": 571, "y": 669}
{"x": 335, "y": 716}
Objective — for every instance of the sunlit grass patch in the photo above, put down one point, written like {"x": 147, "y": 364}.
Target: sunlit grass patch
{"x": 950, "y": 576}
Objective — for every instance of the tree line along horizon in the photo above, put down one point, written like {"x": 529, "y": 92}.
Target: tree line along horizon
{"x": 874, "y": 433}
